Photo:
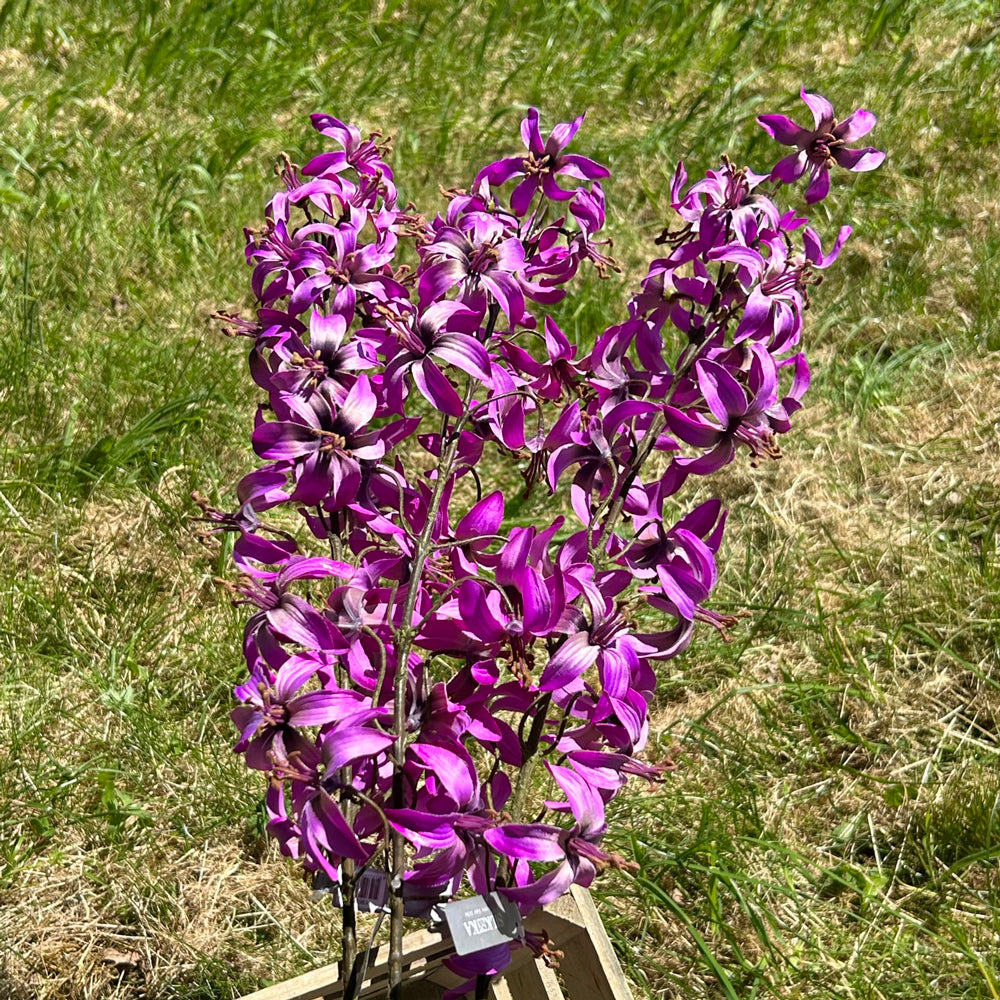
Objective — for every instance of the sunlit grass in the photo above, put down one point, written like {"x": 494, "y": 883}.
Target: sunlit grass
{"x": 832, "y": 828}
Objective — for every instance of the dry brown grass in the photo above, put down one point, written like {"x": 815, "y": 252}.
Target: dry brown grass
{"x": 838, "y": 758}
{"x": 89, "y": 929}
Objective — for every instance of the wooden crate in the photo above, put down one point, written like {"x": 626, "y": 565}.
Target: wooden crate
{"x": 590, "y": 970}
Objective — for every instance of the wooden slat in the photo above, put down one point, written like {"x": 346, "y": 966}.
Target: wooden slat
{"x": 590, "y": 970}
{"x": 423, "y": 947}
{"x": 531, "y": 981}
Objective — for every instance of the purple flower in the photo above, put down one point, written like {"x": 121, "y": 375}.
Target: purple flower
{"x": 326, "y": 443}
{"x": 351, "y": 271}
{"x": 605, "y": 640}
{"x": 820, "y": 148}
{"x": 442, "y": 331}
{"x": 272, "y": 706}
{"x": 295, "y": 367}
{"x": 480, "y": 641}
{"x": 576, "y": 849}
{"x": 449, "y": 820}
{"x": 543, "y": 162}
{"x": 600, "y": 449}
{"x": 481, "y": 258}
{"x": 361, "y": 154}
{"x": 488, "y": 962}
{"x": 557, "y": 374}
{"x": 734, "y": 414}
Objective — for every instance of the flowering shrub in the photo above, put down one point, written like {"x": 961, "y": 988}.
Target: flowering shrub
{"x": 405, "y": 684}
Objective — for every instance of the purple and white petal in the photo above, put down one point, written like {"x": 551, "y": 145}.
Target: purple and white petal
{"x": 855, "y": 126}
{"x": 858, "y": 160}
{"x": 783, "y": 129}
{"x": 821, "y": 108}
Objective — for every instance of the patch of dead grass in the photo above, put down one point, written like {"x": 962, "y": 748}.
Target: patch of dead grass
{"x": 127, "y": 927}
{"x": 876, "y": 517}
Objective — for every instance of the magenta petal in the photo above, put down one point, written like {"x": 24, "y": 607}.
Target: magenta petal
{"x": 314, "y": 479}
{"x": 737, "y": 253}
{"x": 783, "y": 129}
{"x": 563, "y": 457}
{"x": 322, "y": 818}
{"x": 308, "y": 292}
{"x": 800, "y": 381}
{"x": 530, "y": 133}
{"x": 438, "y": 279}
{"x": 700, "y": 556}
{"x": 512, "y": 426}
{"x": 282, "y": 439}
{"x": 507, "y": 293}
{"x": 814, "y": 250}
{"x": 293, "y": 674}
{"x": 314, "y": 568}
{"x": 583, "y": 168}
{"x": 514, "y": 556}
{"x": 572, "y": 659}
{"x": 565, "y": 427}
{"x": 533, "y": 842}
{"x": 693, "y": 430}
{"x": 520, "y": 199}
{"x": 251, "y": 548}
{"x": 703, "y": 519}
{"x": 343, "y": 746}
{"x": 451, "y": 317}
{"x": 677, "y": 183}
{"x": 434, "y": 831}
{"x": 722, "y": 454}
{"x": 562, "y": 135}
{"x": 855, "y": 126}
{"x": 756, "y": 313}
{"x": 537, "y": 601}
{"x": 463, "y": 352}
{"x": 724, "y": 395}
{"x": 436, "y": 388}
{"x": 553, "y": 190}
{"x": 450, "y": 769}
{"x": 501, "y": 171}
{"x": 510, "y": 255}
{"x": 359, "y": 406}
{"x": 821, "y": 108}
{"x": 298, "y": 621}
{"x": 484, "y": 518}
{"x": 368, "y": 452}
{"x": 326, "y": 333}
{"x": 859, "y": 159}
{"x": 487, "y": 962}
{"x": 676, "y": 594}
{"x": 545, "y": 890}
{"x": 583, "y": 798}
{"x": 555, "y": 341}
{"x": 616, "y": 671}
{"x": 819, "y": 186}
{"x": 260, "y": 487}
{"x": 790, "y": 168}
{"x": 625, "y": 411}
{"x": 317, "y": 708}
{"x": 477, "y": 617}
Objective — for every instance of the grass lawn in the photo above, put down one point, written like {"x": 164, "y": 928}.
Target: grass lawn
{"x": 833, "y": 828}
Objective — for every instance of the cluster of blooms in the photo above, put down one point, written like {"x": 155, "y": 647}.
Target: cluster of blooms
{"x": 492, "y": 645}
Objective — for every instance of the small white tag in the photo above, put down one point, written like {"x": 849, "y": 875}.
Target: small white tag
{"x": 371, "y": 891}
{"x": 481, "y": 922}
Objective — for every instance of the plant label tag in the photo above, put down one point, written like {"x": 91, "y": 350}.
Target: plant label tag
{"x": 371, "y": 891}
{"x": 482, "y": 922}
